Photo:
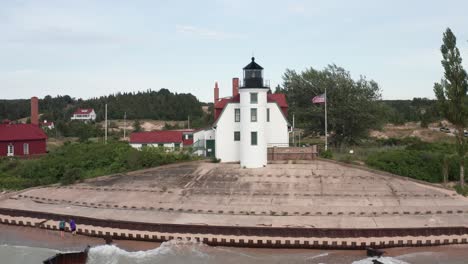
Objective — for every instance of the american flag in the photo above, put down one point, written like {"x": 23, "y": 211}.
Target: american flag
{"x": 319, "y": 99}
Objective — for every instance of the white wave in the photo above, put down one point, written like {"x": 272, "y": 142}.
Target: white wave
{"x": 318, "y": 256}
{"x": 30, "y": 248}
{"x": 385, "y": 260}
{"x": 111, "y": 254}
{"x": 419, "y": 254}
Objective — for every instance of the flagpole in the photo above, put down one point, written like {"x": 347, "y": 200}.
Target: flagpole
{"x": 326, "y": 132}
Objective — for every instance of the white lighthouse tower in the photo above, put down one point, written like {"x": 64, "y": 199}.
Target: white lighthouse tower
{"x": 253, "y": 117}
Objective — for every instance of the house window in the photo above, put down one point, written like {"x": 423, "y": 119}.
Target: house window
{"x": 268, "y": 114}
{"x": 144, "y": 145}
{"x": 237, "y": 115}
{"x": 253, "y": 98}
{"x": 253, "y": 114}
{"x": 253, "y": 138}
{"x": 177, "y": 145}
{"x": 25, "y": 149}
{"x": 11, "y": 150}
{"x": 236, "y": 135}
{"x": 160, "y": 145}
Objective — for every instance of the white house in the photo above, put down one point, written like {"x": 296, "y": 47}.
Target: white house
{"x": 247, "y": 123}
{"x": 47, "y": 125}
{"x": 84, "y": 114}
{"x": 167, "y": 139}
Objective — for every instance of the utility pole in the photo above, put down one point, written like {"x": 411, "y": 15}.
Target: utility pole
{"x": 326, "y": 132}
{"x": 125, "y": 125}
{"x": 105, "y": 126}
{"x": 188, "y": 122}
{"x": 294, "y": 137}
{"x": 300, "y": 138}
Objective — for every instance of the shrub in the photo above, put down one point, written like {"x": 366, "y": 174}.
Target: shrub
{"x": 461, "y": 190}
{"x": 421, "y": 165}
{"x": 75, "y": 161}
{"x": 71, "y": 175}
{"x": 215, "y": 160}
{"x": 326, "y": 154}
{"x": 346, "y": 159}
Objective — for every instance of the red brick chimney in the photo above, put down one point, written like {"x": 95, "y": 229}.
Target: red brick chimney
{"x": 235, "y": 86}
{"x": 34, "y": 111}
{"x": 216, "y": 93}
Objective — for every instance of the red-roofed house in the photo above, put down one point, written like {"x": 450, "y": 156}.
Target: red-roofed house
{"x": 85, "y": 114}
{"x": 22, "y": 140}
{"x": 169, "y": 139}
{"x": 47, "y": 125}
{"x": 247, "y": 123}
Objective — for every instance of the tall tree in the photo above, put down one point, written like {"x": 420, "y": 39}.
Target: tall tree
{"x": 353, "y": 107}
{"x": 137, "y": 126}
{"x": 451, "y": 94}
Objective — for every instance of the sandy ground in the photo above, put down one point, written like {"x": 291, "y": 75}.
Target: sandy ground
{"x": 413, "y": 129}
{"x": 146, "y": 124}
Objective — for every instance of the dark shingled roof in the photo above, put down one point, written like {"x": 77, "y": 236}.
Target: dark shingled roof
{"x": 253, "y": 65}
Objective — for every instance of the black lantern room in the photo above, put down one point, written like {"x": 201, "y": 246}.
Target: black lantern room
{"x": 253, "y": 76}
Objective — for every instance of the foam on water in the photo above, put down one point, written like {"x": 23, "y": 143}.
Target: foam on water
{"x": 179, "y": 251}
{"x": 24, "y": 254}
{"x": 385, "y": 260}
{"x": 171, "y": 251}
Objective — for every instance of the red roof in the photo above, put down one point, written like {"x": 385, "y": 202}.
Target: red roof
{"x": 280, "y": 99}
{"x": 164, "y": 136}
{"x": 188, "y": 142}
{"x": 18, "y": 132}
{"x": 83, "y": 111}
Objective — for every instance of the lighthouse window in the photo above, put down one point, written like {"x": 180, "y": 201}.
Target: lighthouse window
{"x": 253, "y": 98}
{"x": 236, "y": 135}
{"x": 268, "y": 114}
{"x": 237, "y": 115}
{"x": 253, "y": 114}
{"x": 253, "y": 138}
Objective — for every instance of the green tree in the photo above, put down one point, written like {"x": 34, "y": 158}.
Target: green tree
{"x": 353, "y": 107}
{"x": 451, "y": 94}
{"x": 136, "y": 126}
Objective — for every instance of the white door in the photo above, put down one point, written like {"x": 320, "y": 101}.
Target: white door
{"x": 11, "y": 150}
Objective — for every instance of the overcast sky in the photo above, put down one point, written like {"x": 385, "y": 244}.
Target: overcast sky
{"x": 92, "y": 48}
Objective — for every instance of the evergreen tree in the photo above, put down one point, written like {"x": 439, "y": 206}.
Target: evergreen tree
{"x": 136, "y": 126}
{"x": 451, "y": 94}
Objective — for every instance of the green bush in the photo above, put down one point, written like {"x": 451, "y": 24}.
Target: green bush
{"x": 71, "y": 175}
{"x": 417, "y": 161}
{"x": 75, "y": 161}
{"x": 347, "y": 158}
{"x": 461, "y": 190}
{"x": 326, "y": 154}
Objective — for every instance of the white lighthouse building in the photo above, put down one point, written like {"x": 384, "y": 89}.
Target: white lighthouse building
{"x": 246, "y": 123}
{"x": 253, "y": 111}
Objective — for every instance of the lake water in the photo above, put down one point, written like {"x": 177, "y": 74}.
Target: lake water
{"x": 173, "y": 252}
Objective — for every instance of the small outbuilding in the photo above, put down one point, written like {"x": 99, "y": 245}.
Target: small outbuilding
{"x": 168, "y": 139}
{"x": 22, "y": 140}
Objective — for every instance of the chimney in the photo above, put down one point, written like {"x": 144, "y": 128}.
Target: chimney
{"x": 216, "y": 93}
{"x": 34, "y": 111}
{"x": 235, "y": 86}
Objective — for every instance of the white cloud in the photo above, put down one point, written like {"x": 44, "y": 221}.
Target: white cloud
{"x": 205, "y": 33}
